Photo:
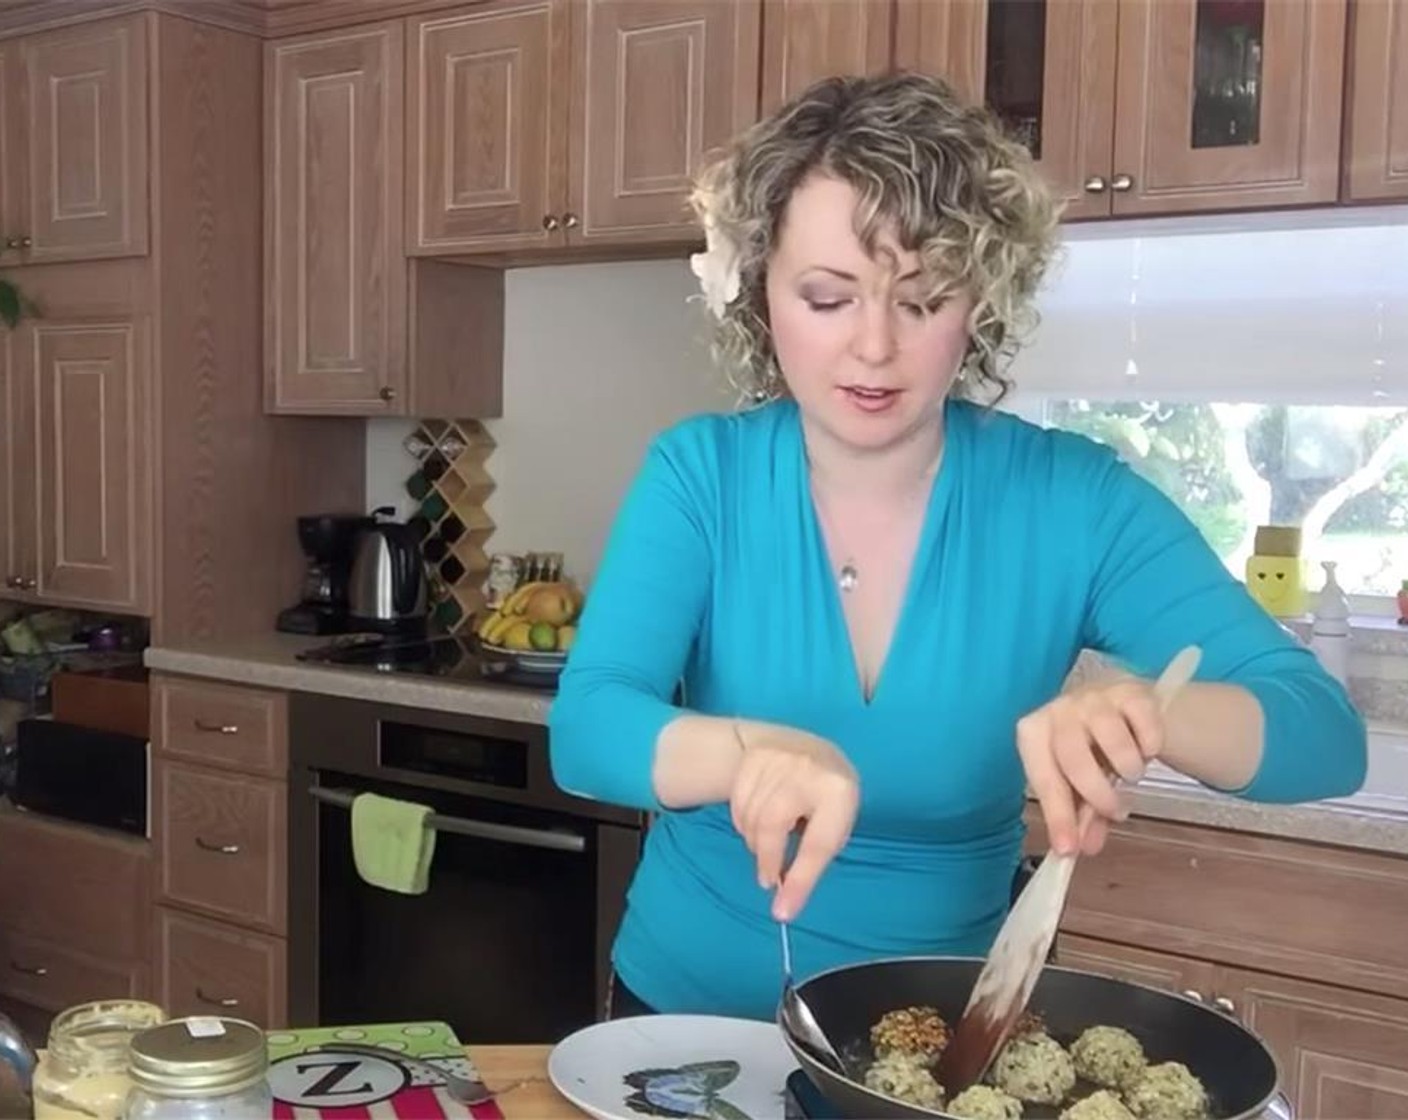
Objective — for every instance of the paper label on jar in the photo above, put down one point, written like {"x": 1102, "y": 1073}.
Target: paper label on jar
{"x": 204, "y": 1028}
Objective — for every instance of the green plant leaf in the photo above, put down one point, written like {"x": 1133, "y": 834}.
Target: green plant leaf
{"x": 10, "y": 303}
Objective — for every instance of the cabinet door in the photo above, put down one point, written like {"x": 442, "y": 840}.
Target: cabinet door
{"x": 85, "y": 153}
{"x": 487, "y": 148}
{"x": 807, "y": 40}
{"x": 94, "y": 498}
{"x": 335, "y": 284}
{"x": 658, "y": 84}
{"x": 1343, "y": 1054}
{"x": 209, "y": 968}
{"x": 1139, "y": 966}
{"x": 11, "y": 171}
{"x": 17, "y": 571}
{"x": 1226, "y": 105}
{"x": 1047, "y": 67}
{"x": 1377, "y": 154}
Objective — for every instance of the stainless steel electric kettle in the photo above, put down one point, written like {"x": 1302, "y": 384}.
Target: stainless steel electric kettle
{"x": 387, "y": 588}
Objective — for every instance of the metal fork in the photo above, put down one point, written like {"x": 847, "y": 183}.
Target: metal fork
{"x": 798, "y": 1017}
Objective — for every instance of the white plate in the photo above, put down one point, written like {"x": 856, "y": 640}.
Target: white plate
{"x": 702, "y": 1065}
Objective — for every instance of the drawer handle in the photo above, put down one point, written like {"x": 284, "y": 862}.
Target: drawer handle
{"x": 215, "y": 1001}
{"x": 217, "y": 728}
{"x": 220, "y": 849}
{"x": 39, "y": 970}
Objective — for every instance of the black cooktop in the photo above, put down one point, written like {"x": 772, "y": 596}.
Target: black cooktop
{"x": 447, "y": 657}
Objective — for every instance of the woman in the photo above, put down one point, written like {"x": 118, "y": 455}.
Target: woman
{"x": 871, "y": 589}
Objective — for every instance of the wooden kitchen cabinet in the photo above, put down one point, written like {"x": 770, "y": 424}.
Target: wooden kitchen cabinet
{"x": 1376, "y": 154}
{"x": 806, "y": 40}
{"x": 548, "y": 124}
{"x": 1145, "y": 107}
{"x": 1223, "y": 106}
{"x": 220, "y": 840}
{"x": 351, "y": 326}
{"x": 73, "y": 926}
{"x": 94, "y": 494}
{"x": 73, "y": 177}
{"x": 1343, "y": 1054}
{"x": 1047, "y": 69}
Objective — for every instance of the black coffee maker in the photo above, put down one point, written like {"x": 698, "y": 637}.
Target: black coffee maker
{"x": 328, "y": 542}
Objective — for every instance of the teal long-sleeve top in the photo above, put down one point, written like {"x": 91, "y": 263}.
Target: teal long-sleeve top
{"x": 1036, "y": 543}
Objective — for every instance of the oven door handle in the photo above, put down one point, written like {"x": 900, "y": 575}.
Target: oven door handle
{"x": 463, "y": 826}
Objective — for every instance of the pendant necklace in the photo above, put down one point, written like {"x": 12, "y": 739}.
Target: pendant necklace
{"x": 848, "y": 577}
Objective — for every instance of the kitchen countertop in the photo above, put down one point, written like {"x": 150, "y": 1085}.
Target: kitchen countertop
{"x": 270, "y": 661}
{"x": 1373, "y": 823}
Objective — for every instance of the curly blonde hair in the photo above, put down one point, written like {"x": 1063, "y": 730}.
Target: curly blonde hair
{"x": 941, "y": 174}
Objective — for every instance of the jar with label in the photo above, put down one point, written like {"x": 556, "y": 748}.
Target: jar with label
{"x": 200, "y": 1068}
{"x": 83, "y": 1073}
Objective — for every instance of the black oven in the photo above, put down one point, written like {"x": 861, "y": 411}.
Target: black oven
{"x": 510, "y": 942}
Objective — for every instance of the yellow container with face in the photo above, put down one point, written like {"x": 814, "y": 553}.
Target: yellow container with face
{"x": 1277, "y": 583}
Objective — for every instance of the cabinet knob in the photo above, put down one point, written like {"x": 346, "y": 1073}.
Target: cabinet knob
{"x": 387, "y": 393}
{"x": 12, "y": 242}
{"x": 26, "y": 242}
{"x": 550, "y": 222}
{"x": 1096, "y": 184}
{"x": 570, "y": 220}
{"x": 1193, "y": 993}
{"x": 14, "y": 583}
{"x": 28, "y": 584}
{"x": 1225, "y": 1005}
{"x": 1122, "y": 183}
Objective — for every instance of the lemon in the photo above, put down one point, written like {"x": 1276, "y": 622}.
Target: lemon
{"x": 543, "y": 636}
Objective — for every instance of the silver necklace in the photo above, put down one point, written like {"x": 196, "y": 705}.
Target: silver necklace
{"x": 848, "y": 577}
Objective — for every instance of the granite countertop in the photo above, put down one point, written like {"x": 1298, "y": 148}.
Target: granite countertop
{"x": 1369, "y": 821}
{"x": 271, "y": 661}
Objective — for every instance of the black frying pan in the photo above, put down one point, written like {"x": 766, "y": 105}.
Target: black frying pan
{"x": 1233, "y": 1064}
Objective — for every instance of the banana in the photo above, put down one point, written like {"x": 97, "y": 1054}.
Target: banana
{"x": 516, "y": 602}
{"x": 502, "y": 626}
{"x": 487, "y": 623}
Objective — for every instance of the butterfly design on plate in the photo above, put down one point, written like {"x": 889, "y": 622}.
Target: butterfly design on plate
{"x": 687, "y": 1091}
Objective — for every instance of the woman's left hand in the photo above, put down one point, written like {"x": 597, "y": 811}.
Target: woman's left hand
{"x": 1071, "y": 746}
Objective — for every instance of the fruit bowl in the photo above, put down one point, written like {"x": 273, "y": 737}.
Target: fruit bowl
{"x": 528, "y": 660}
{"x": 534, "y": 627}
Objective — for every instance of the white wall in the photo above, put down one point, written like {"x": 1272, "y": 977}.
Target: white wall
{"x": 597, "y": 359}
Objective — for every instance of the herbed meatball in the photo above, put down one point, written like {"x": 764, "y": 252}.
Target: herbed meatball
{"x": 919, "y": 1031}
{"x": 1100, "y": 1105}
{"x": 905, "y": 1077}
{"x": 1108, "y": 1056}
{"x": 982, "y": 1102}
{"x": 1168, "y": 1091}
{"x": 1034, "y": 1068}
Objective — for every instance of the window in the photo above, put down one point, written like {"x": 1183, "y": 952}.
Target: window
{"x": 1254, "y": 367}
{"x": 1339, "y": 472}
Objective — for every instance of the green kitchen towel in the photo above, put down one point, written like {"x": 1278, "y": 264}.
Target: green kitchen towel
{"x": 391, "y": 845}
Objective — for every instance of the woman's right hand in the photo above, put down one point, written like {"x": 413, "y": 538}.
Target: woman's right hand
{"x": 787, "y": 778}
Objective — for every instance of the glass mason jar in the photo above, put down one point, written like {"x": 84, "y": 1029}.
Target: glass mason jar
{"x": 200, "y": 1068}
{"x": 83, "y": 1072}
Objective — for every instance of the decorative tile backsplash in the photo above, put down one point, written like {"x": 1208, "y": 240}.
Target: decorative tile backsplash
{"x": 450, "y": 485}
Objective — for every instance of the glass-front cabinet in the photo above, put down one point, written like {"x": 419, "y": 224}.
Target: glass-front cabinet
{"x": 1152, "y": 106}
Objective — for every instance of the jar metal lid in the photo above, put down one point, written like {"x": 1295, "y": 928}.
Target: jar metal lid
{"x": 199, "y": 1056}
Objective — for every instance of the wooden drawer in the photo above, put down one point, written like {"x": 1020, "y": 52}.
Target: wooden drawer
{"x": 38, "y": 972}
{"x": 223, "y": 843}
{"x": 221, "y": 725}
{"x": 75, "y": 888}
{"x": 207, "y": 968}
{"x": 1281, "y": 906}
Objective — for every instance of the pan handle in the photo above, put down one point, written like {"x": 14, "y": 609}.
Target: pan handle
{"x": 1279, "y": 1108}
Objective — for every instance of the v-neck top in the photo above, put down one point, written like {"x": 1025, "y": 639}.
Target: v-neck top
{"x": 715, "y": 594}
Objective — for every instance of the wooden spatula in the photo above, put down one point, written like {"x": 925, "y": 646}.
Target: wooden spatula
{"x": 1005, "y": 984}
